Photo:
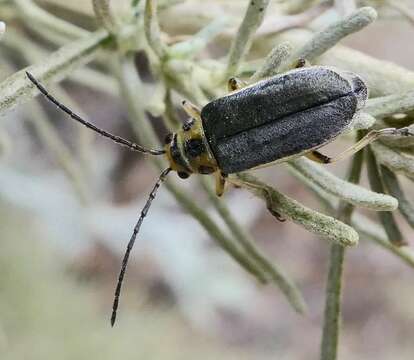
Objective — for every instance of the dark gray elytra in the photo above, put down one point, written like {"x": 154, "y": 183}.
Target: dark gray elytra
{"x": 282, "y": 116}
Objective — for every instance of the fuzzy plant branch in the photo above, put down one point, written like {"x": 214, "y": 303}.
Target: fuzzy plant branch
{"x": 332, "y": 313}
{"x": 273, "y": 271}
{"x": 287, "y": 22}
{"x": 315, "y": 222}
{"x": 372, "y": 232}
{"x": 34, "y": 53}
{"x": 394, "y": 188}
{"x": 364, "y": 226}
{"x": 152, "y": 29}
{"x": 272, "y": 62}
{"x": 387, "y": 219}
{"x": 17, "y": 88}
{"x": 396, "y": 161}
{"x": 345, "y": 190}
{"x": 330, "y": 36}
{"x": 402, "y": 9}
{"x": 382, "y": 77}
{"x": 52, "y": 140}
{"x": 189, "y": 48}
{"x": 362, "y": 121}
{"x": 388, "y": 105}
{"x": 37, "y": 18}
{"x": 241, "y": 43}
{"x": 104, "y": 15}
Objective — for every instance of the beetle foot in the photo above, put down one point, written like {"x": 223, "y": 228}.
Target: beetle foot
{"x": 235, "y": 84}
{"x": 302, "y": 63}
{"x": 271, "y": 207}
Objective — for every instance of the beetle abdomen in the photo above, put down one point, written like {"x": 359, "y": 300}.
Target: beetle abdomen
{"x": 282, "y": 116}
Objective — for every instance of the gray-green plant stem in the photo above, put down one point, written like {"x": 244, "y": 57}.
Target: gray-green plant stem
{"x": 272, "y": 62}
{"x": 325, "y": 226}
{"x": 273, "y": 271}
{"x": 132, "y": 93}
{"x": 345, "y": 190}
{"x": 394, "y": 160}
{"x": 17, "y": 88}
{"x": 330, "y": 36}
{"x": 402, "y": 9}
{"x": 371, "y": 231}
{"x": 34, "y": 53}
{"x": 286, "y": 22}
{"x": 152, "y": 29}
{"x": 241, "y": 43}
{"x": 364, "y": 226}
{"x": 394, "y": 188}
{"x": 198, "y": 42}
{"x": 388, "y": 105}
{"x": 387, "y": 219}
{"x": 52, "y": 140}
{"x": 382, "y": 77}
{"x": 332, "y": 314}
{"x": 104, "y": 15}
{"x": 37, "y": 18}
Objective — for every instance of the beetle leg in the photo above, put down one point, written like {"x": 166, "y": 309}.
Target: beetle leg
{"x": 235, "y": 84}
{"x": 192, "y": 110}
{"x": 269, "y": 201}
{"x": 367, "y": 139}
{"x": 302, "y": 63}
{"x": 318, "y": 157}
{"x": 220, "y": 183}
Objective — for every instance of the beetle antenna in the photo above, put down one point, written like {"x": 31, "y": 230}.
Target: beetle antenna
{"x": 131, "y": 242}
{"x": 115, "y": 138}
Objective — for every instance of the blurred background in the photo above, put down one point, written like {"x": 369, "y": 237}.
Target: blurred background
{"x": 183, "y": 297}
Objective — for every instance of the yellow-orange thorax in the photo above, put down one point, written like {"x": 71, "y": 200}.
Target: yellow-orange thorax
{"x": 188, "y": 151}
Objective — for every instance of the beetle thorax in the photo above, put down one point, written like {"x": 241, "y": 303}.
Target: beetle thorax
{"x": 188, "y": 151}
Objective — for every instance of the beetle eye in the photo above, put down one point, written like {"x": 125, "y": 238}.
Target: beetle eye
{"x": 183, "y": 174}
{"x": 188, "y": 124}
{"x": 168, "y": 138}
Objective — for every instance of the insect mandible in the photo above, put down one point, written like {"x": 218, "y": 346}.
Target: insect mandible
{"x": 273, "y": 120}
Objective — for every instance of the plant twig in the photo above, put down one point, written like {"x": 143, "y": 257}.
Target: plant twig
{"x": 371, "y": 231}
{"x": 386, "y": 217}
{"x": 241, "y": 43}
{"x": 189, "y": 48}
{"x": 37, "y": 18}
{"x": 273, "y": 271}
{"x": 287, "y": 22}
{"x": 50, "y": 137}
{"x": 327, "y": 38}
{"x": 152, "y": 29}
{"x": 345, "y": 190}
{"x": 394, "y": 160}
{"x": 332, "y": 314}
{"x": 104, "y": 15}
{"x": 272, "y": 62}
{"x": 17, "y": 88}
{"x": 320, "y": 224}
{"x": 381, "y": 107}
{"x": 393, "y": 186}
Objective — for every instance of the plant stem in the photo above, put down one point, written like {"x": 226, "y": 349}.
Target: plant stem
{"x": 243, "y": 238}
{"x": 332, "y": 315}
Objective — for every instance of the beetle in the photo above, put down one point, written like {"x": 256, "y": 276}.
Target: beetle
{"x": 273, "y": 120}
